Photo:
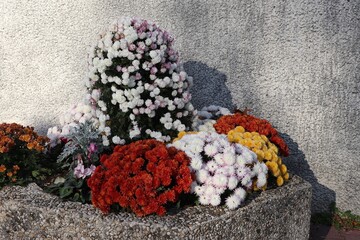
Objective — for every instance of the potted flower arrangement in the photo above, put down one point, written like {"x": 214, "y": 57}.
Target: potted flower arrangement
{"x": 129, "y": 145}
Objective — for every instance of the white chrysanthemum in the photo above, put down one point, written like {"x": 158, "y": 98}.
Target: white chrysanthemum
{"x": 241, "y": 193}
{"x": 215, "y": 200}
{"x": 220, "y": 180}
{"x": 248, "y": 157}
{"x": 204, "y": 200}
{"x": 247, "y": 181}
{"x": 202, "y": 175}
{"x": 212, "y": 166}
{"x": 232, "y": 182}
{"x": 54, "y": 135}
{"x": 196, "y": 163}
{"x": 264, "y": 168}
{"x": 118, "y": 140}
{"x": 209, "y": 190}
{"x": 232, "y": 202}
{"x": 210, "y": 150}
{"x": 220, "y": 190}
{"x": 229, "y": 158}
{"x": 261, "y": 180}
{"x": 219, "y": 158}
{"x": 243, "y": 171}
{"x": 199, "y": 190}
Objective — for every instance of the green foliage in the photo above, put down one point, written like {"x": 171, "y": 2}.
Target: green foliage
{"x": 72, "y": 189}
{"x": 339, "y": 219}
{"x": 83, "y": 147}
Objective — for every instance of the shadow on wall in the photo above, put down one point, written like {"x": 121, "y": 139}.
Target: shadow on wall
{"x": 322, "y": 197}
{"x": 209, "y": 86}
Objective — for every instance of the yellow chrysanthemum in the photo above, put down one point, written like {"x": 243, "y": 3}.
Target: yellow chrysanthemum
{"x": 283, "y": 169}
{"x": 240, "y": 129}
{"x": 266, "y": 152}
{"x": 279, "y": 181}
{"x": 181, "y": 134}
{"x": 247, "y": 135}
{"x": 268, "y": 155}
{"x": 286, "y": 176}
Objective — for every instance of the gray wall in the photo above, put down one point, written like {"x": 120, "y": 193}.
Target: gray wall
{"x": 295, "y": 63}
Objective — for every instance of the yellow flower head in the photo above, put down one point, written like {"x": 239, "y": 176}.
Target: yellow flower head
{"x": 286, "y": 176}
{"x": 283, "y": 169}
{"x": 240, "y": 129}
{"x": 279, "y": 181}
{"x": 247, "y": 135}
{"x": 181, "y": 134}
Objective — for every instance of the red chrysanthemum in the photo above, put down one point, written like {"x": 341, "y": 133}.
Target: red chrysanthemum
{"x": 251, "y": 124}
{"x": 142, "y": 176}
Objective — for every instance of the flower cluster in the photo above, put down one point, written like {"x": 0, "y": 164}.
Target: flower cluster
{"x": 206, "y": 118}
{"x": 79, "y": 114}
{"x": 10, "y": 173}
{"x": 16, "y": 136}
{"x": 223, "y": 169}
{"x": 252, "y": 124}
{"x": 139, "y": 85}
{"x": 20, "y": 153}
{"x": 265, "y": 150}
{"x": 142, "y": 176}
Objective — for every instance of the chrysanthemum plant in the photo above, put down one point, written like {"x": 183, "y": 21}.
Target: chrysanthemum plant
{"x": 224, "y": 171}
{"x": 77, "y": 162}
{"x": 137, "y": 82}
{"x": 22, "y": 158}
{"x": 144, "y": 176}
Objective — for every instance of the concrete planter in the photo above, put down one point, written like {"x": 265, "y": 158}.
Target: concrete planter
{"x": 283, "y": 213}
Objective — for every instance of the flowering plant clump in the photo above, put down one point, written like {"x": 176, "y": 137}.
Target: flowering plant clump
{"x": 21, "y": 154}
{"x": 206, "y": 118}
{"x": 223, "y": 170}
{"x": 142, "y": 176}
{"x": 141, "y": 89}
{"x": 77, "y": 162}
{"x": 266, "y": 151}
{"x": 252, "y": 124}
{"x": 71, "y": 120}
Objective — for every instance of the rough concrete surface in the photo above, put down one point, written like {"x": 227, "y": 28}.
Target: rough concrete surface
{"x": 282, "y": 213}
{"x": 295, "y": 63}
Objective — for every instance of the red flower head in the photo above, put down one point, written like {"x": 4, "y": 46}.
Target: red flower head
{"x": 142, "y": 176}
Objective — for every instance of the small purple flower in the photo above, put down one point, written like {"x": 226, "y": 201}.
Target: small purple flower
{"x": 92, "y": 148}
{"x": 81, "y": 172}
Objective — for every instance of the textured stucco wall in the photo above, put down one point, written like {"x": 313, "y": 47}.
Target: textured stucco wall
{"x": 295, "y": 63}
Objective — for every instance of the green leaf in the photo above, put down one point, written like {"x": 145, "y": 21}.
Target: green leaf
{"x": 79, "y": 183}
{"x": 65, "y": 192}
{"x": 35, "y": 173}
{"x": 76, "y": 197}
